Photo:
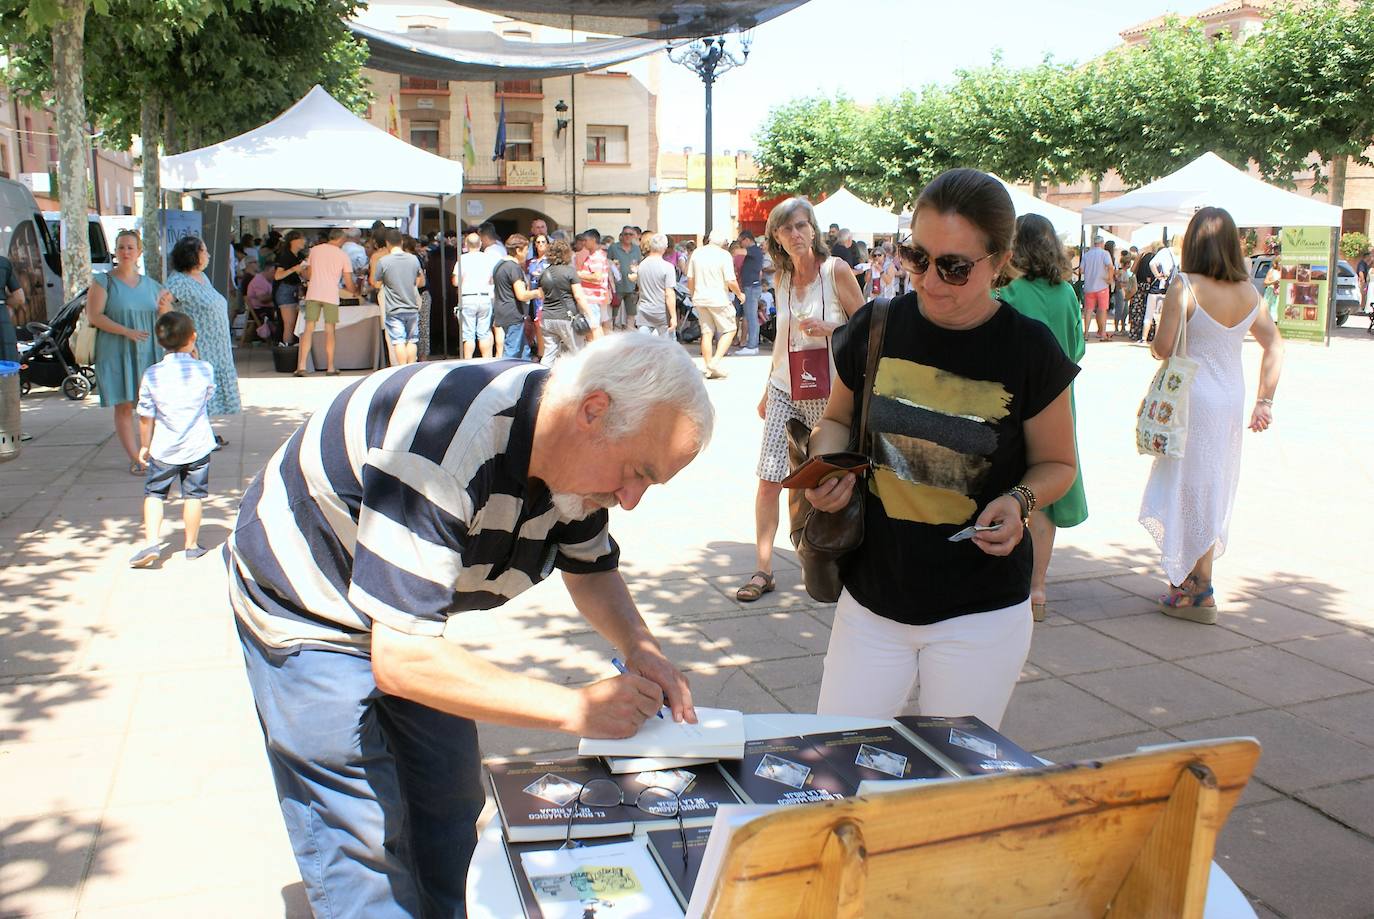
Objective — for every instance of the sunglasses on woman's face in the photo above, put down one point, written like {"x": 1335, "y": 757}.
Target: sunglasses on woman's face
{"x": 952, "y": 269}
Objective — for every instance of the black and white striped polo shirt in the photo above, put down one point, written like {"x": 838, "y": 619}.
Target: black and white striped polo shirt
{"x": 406, "y": 501}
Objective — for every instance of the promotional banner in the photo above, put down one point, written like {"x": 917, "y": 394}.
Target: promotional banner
{"x": 175, "y": 225}
{"x": 1306, "y": 269}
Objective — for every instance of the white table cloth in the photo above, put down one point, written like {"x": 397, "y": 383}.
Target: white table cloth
{"x": 357, "y": 338}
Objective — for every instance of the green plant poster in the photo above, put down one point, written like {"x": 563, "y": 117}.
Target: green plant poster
{"x": 1306, "y": 277}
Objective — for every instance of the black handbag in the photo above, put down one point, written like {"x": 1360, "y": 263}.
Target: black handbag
{"x": 820, "y": 538}
{"x": 580, "y": 325}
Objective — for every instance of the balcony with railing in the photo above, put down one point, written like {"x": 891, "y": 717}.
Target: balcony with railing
{"x": 504, "y": 175}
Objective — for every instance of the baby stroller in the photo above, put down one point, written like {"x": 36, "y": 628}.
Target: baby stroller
{"x": 688, "y": 326}
{"x": 45, "y": 357}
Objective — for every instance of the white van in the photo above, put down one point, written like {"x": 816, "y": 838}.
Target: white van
{"x": 31, "y": 249}
{"x": 102, "y": 259}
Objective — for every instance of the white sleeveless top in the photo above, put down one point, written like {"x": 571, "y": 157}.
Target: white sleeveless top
{"x": 820, "y": 302}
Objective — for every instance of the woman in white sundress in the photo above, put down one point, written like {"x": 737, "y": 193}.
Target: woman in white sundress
{"x": 1188, "y": 501}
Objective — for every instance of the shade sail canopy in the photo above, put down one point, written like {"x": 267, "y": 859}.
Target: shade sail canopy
{"x": 317, "y": 159}
{"x": 853, "y": 213}
{"x": 1210, "y": 181}
{"x": 642, "y": 18}
{"x": 442, "y": 54}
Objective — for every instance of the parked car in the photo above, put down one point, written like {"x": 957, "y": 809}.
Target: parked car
{"x": 1347, "y": 287}
{"x": 102, "y": 259}
{"x": 25, "y": 240}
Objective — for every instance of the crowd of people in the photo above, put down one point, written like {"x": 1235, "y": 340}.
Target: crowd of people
{"x": 958, "y": 346}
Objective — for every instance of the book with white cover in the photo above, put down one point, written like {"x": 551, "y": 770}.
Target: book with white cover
{"x": 619, "y": 765}
{"x": 617, "y": 880}
{"x": 718, "y": 734}
{"x": 729, "y": 817}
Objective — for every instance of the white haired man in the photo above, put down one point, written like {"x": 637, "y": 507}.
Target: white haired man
{"x": 657, "y": 282}
{"x": 710, "y": 282}
{"x": 423, "y": 492}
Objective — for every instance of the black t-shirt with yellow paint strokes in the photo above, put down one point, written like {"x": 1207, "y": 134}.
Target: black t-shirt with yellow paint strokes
{"x": 946, "y": 420}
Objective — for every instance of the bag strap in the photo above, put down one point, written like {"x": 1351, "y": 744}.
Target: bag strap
{"x": 1181, "y": 341}
{"x": 877, "y": 329}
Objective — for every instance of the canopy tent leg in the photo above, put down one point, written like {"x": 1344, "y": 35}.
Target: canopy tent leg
{"x": 443, "y": 278}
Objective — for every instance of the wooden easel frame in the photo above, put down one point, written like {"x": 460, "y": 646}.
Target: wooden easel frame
{"x": 1129, "y": 836}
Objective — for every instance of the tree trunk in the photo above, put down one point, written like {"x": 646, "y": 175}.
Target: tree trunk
{"x": 150, "y": 131}
{"x": 1337, "y": 190}
{"x": 73, "y": 145}
{"x": 1097, "y": 190}
{"x": 1038, "y": 187}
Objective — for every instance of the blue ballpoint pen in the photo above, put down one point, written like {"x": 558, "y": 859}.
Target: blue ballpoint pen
{"x": 620, "y": 665}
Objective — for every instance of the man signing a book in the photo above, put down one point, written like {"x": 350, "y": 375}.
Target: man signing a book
{"x": 420, "y": 493}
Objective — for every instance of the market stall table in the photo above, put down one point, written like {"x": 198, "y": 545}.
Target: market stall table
{"x": 357, "y": 338}
{"x": 492, "y": 894}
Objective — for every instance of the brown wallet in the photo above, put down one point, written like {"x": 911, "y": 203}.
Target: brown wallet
{"x": 820, "y": 469}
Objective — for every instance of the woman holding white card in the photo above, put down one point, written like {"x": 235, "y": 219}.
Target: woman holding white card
{"x": 969, "y": 429}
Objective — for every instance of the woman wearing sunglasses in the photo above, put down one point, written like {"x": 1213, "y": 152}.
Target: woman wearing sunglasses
{"x": 969, "y": 424}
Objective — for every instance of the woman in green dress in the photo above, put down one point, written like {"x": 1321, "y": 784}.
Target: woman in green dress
{"x": 123, "y": 306}
{"x": 1043, "y": 292}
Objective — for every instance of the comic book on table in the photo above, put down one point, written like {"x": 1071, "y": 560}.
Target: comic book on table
{"x": 826, "y": 766}
{"x": 967, "y": 744}
{"x": 610, "y": 879}
{"x": 535, "y": 798}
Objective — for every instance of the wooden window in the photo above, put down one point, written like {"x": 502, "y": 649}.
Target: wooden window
{"x": 421, "y": 83}
{"x": 607, "y": 143}
{"x": 519, "y": 141}
{"x": 425, "y": 135}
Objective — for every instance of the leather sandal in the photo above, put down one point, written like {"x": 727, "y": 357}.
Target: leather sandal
{"x": 753, "y": 590}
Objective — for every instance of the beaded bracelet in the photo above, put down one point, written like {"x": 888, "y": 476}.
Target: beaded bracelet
{"x": 1026, "y": 498}
{"x": 1268, "y": 402}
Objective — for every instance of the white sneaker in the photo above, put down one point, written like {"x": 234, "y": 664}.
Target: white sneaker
{"x": 747, "y": 351}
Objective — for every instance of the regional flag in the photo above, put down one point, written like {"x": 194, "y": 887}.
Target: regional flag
{"x": 469, "y": 151}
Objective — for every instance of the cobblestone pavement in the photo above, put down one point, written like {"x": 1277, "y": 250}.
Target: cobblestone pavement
{"x": 135, "y": 783}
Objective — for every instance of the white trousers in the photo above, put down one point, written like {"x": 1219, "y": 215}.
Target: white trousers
{"x": 967, "y": 665}
{"x": 1153, "y": 304}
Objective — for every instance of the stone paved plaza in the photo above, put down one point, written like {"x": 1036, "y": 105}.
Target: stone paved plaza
{"x": 133, "y": 773}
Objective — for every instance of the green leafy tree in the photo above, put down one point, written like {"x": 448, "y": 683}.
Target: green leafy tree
{"x": 1310, "y": 79}
{"x": 60, "y": 25}
{"x": 186, "y": 73}
{"x": 1353, "y": 245}
{"x": 1178, "y": 95}
{"x": 809, "y": 147}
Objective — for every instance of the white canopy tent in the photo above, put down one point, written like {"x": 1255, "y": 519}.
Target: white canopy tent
{"x": 1210, "y": 181}
{"x": 852, "y": 213}
{"x": 1067, "y": 223}
{"x": 315, "y": 160}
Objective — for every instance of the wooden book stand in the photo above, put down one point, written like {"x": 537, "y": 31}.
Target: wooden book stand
{"x": 1127, "y": 836}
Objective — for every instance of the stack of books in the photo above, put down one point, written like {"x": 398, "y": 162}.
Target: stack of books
{"x": 632, "y": 863}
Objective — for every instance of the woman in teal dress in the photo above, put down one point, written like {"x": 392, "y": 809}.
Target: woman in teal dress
{"x": 193, "y": 295}
{"x": 1043, "y": 292}
{"x": 123, "y": 306}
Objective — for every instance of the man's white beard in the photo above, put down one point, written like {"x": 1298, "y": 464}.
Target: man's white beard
{"x": 577, "y": 507}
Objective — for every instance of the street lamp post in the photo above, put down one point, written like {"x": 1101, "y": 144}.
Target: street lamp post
{"x": 708, "y": 58}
